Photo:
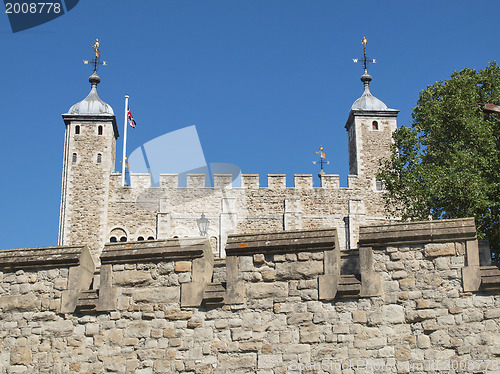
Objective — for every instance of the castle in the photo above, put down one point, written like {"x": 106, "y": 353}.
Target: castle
{"x": 96, "y": 208}
{"x": 286, "y": 280}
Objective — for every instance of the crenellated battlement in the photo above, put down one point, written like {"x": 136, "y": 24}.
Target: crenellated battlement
{"x": 414, "y": 295}
{"x": 248, "y": 181}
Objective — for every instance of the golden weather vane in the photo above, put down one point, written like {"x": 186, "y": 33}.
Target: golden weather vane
{"x": 322, "y": 159}
{"x": 366, "y": 60}
{"x": 97, "y": 58}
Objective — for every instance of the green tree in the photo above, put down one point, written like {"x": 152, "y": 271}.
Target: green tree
{"x": 447, "y": 164}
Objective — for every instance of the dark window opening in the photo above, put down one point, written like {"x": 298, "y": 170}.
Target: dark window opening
{"x": 374, "y": 125}
{"x": 176, "y": 237}
{"x": 99, "y": 130}
{"x": 112, "y": 239}
{"x": 151, "y": 238}
{"x": 379, "y": 185}
{"x": 99, "y": 158}
{"x": 123, "y": 239}
{"x": 77, "y": 129}
{"x": 74, "y": 157}
{"x": 140, "y": 238}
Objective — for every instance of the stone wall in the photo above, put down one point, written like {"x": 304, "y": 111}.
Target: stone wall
{"x": 171, "y": 211}
{"x": 415, "y": 302}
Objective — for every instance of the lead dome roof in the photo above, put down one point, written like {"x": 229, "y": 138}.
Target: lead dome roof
{"x": 92, "y": 104}
{"x": 367, "y": 101}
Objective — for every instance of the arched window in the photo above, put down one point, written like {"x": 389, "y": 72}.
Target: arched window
{"x": 151, "y": 238}
{"x": 99, "y": 158}
{"x": 112, "y": 239}
{"x": 74, "y": 157}
{"x": 140, "y": 238}
{"x": 77, "y": 129}
{"x": 374, "y": 125}
{"x": 99, "y": 130}
{"x": 123, "y": 239}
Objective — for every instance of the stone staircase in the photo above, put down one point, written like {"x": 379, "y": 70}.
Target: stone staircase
{"x": 214, "y": 293}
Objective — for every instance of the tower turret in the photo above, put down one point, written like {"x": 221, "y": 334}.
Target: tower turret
{"x": 89, "y": 159}
{"x": 370, "y": 126}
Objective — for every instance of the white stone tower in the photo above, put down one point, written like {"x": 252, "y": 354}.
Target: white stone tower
{"x": 370, "y": 126}
{"x": 89, "y": 159}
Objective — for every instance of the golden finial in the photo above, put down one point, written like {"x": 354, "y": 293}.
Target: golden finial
{"x": 364, "y": 41}
{"x": 322, "y": 159}
{"x": 97, "y": 59}
{"x": 95, "y": 47}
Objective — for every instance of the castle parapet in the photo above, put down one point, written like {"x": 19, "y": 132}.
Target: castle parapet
{"x": 223, "y": 181}
{"x": 140, "y": 180}
{"x": 276, "y": 181}
{"x": 250, "y": 181}
{"x": 271, "y": 261}
{"x": 190, "y": 259}
{"x": 196, "y": 181}
{"x": 303, "y": 181}
{"x": 169, "y": 180}
{"x": 330, "y": 181}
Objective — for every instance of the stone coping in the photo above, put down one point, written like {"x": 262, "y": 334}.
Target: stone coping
{"x": 40, "y": 257}
{"x": 461, "y": 229}
{"x": 154, "y": 250}
{"x": 282, "y": 242}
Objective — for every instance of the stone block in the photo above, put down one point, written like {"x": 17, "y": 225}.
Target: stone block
{"x": 359, "y": 316}
{"x": 131, "y": 278}
{"x": 108, "y": 298}
{"x": 192, "y": 294}
{"x": 264, "y": 290}
{"x": 259, "y": 259}
{"x": 309, "y": 334}
{"x": 182, "y": 266}
{"x": 298, "y": 270}
{"x": 20, "y": 303}
{"x": 269, "y": 361}
{"x": 229, "y": 362}
{"x": 91, "y": 329}
{"x": 20, "y": 356}
{"x": 439, "y": 249}
{"x": 236, "y": 292}
{"x": 327, "y": 286}
{"x": 299, "y": 318}
{"x": 393, "y": 313}
{"x": 138, "y": 329}
{"x": 176, "y": 314}
{"x": 471, "y": 278}
{"x": 156, "y": 295}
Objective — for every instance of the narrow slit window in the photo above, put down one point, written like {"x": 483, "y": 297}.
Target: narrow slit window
{"x": 99, "y": 130}
{"x": 77, "y": 129}
{"x": 74, "y": 157}
{"x": 99, "y": 158}
{"x": 379, "y": 186}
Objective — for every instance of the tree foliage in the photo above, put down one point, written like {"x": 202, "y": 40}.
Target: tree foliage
{"x": 447, "y": 164}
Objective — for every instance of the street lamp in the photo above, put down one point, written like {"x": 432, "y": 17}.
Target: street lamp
{"x": 202, "y": 223}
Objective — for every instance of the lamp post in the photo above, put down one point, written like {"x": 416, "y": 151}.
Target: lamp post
{"x": 203, "y": 223}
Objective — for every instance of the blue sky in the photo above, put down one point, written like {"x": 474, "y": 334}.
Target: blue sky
{"x": 264, "y": 81}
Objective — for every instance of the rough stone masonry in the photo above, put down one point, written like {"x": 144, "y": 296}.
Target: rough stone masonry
{"x": 413, "y": 299}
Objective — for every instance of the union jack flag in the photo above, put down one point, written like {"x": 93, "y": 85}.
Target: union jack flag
{"x": 130, "y": 119}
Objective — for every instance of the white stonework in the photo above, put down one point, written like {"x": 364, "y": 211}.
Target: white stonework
{"x": 95, "y": 206}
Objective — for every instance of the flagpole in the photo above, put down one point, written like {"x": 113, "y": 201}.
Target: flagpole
{"x": 124, "y": 141}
